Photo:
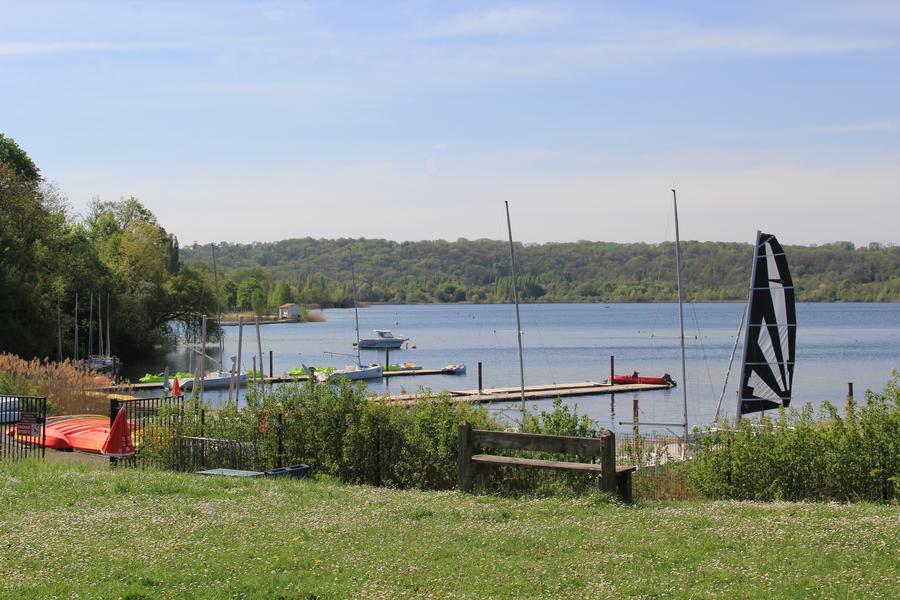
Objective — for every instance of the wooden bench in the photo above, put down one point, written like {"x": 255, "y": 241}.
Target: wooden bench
{"x": 612, "y": 478}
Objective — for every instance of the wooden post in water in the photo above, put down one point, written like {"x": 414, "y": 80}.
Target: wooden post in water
{"x": 612, "y": 368}
{"x": 479, "y": 378}
{"x": 850, "y": 389}
{"x": 237, "y": 376}
{"x": 259, "y": 348}
{"x": 201, "y": 363}
{"x": 254, "y": 368}
{"x": 271, "y": 365}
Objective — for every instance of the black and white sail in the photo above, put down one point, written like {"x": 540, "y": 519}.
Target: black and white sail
{"x": 771, "y": 332}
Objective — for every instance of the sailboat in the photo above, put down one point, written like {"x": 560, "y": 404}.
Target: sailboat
{"x": 358, "y": 371}
{"x": 770, "y": 337}
{"x": 103, "y": 361}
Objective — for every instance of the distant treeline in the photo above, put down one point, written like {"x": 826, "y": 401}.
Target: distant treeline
{"x": 318, "y": 271}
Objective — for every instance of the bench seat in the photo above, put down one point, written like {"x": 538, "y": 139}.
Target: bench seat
{"x": 515, "y": 461}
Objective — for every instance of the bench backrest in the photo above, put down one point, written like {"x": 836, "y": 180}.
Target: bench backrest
{"x": 561, "y": 444}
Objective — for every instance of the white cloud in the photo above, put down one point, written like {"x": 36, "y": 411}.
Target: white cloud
{"x": 500, "y": 21}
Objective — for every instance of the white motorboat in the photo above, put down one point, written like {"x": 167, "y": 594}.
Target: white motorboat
{"x": 214, "y": 380}
{"x": 454, "y": 369}
{"x": 383, "y": 339}
{"x": 353, "y": 373}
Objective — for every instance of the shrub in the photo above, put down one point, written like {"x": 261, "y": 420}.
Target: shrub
{"x": 795, "y": 457}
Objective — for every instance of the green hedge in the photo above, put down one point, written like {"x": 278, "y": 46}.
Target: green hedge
{"x": 849, "y": 457}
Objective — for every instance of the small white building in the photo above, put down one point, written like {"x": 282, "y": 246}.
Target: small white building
{"x": 289, "y": 311}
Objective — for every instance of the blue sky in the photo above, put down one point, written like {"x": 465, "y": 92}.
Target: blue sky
{"x": 246, "y": 121}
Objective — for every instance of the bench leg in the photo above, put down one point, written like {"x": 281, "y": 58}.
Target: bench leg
{"x": 623, "y": 483}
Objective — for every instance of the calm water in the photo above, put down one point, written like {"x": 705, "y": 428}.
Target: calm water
{"x": 836, "y": 343}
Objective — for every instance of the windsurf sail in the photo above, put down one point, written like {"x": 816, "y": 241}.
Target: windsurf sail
{"x": 770, "y": 337}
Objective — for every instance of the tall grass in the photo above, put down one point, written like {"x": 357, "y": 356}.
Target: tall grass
{"x": 849, "y": 457}
{"x": 69, "y": 390}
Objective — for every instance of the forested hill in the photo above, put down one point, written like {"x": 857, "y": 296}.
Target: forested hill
{"x": 310, "y": 270}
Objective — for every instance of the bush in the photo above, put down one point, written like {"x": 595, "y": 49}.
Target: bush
{"x": 795, "y": 457}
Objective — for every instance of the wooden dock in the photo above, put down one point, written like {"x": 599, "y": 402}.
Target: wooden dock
{"x": 276, "y": 379}
{"x": 503, "y": 394}
{"x": 533, "y": 392}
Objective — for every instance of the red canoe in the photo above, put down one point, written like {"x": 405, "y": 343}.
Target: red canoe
{"x": 666, "y": 379}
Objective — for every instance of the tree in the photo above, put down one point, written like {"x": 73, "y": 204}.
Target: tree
{"x": 18, "y": 161}
{"x": 245, "y": 292}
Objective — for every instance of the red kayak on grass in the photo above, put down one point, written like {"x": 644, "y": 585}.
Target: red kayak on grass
{"x": 636, "y": 377}
{"x": 85, "y": 433}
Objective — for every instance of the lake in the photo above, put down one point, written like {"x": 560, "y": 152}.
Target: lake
{"x": 836, "y": 343}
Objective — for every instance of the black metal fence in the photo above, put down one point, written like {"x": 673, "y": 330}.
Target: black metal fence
{"x": 169, "y": 433}
{"x": 23, "y": 421}
{"x": 148, "y": 419}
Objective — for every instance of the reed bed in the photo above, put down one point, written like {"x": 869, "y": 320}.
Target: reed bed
{"x": 69, "y": 389}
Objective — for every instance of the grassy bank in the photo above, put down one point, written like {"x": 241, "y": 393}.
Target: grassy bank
{"x": 70, "y": 530}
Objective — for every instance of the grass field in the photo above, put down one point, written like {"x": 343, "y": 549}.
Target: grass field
{"x": 74, "y": 530}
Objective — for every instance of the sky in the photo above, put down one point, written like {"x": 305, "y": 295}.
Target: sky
{"x": 410, "y": 120}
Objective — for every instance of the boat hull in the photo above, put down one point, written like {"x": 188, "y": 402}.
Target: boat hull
{"x": 382, "y": 343}
{"x": 631, "y": 379}
{"x": 357, "y": 374}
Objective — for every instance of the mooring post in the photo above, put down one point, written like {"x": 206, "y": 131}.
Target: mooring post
{"x": 850, "y": 389}
{"x": 612, "y": 368}
{"x": 387, "y": 359}
{"x": 479, "y": 378}
{"x": 271, "y": 368}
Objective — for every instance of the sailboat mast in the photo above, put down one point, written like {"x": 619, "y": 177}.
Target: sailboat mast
{"x": 355, "y": 308}
{"x": 219, "y": 310}
{"x": 108, "y": 350}
{"x": 91, "y": 328}
{"x": 680, "y": 311}
{"x": 75, "y": 355}
{"x": 100, "y": 324}
{"x": 740, "y": 394}
{"x": 58, "y": 332}
{"x": 512, "y": 261}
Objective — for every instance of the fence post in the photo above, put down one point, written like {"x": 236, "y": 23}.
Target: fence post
{"x": 280, "y": 445}
{"x": 635, "y": 431}
{"x": 465, "y": 455}
{"x": 608, "y": 462}
{"x": 202, "y": 421}
{"x": 113, "y": 411}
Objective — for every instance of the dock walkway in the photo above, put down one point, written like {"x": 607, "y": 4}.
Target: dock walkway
{"x": 533, "y": 392}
